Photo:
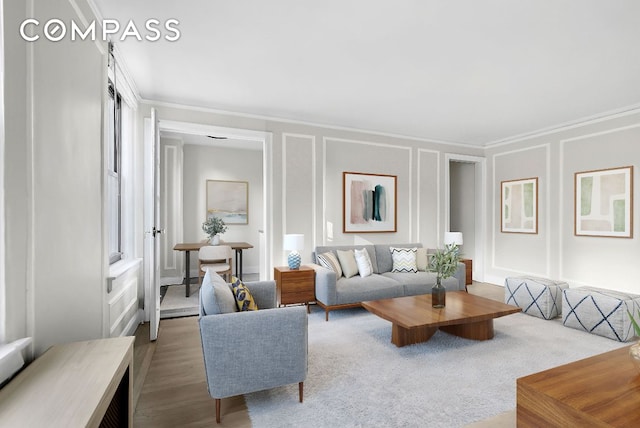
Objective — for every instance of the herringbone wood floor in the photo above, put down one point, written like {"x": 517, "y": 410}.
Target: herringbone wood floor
{"x": 174, "y": 391}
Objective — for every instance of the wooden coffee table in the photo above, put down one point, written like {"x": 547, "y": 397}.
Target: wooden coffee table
{"x": 600, "y": 391}
{"x": 414, "y": 320}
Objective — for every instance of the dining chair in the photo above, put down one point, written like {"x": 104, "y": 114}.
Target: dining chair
{"x": 216, "y": 258}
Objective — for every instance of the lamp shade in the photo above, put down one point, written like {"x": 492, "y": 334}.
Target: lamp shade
{"x": 293, "y": 242}
{"x": 453, "y": 238}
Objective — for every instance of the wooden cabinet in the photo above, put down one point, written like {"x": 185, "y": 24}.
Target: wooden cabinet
{"x": 79, "y": 384}
{"x": 295, "y": 286}
{"x": 469, "y": 271}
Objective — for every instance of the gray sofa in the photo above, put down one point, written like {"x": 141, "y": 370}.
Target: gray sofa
{"x": 340, "y": 293}
{"x": 254, "y": 350}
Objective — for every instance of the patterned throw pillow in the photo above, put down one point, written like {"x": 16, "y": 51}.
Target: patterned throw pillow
{"x": 404, "y": 260}
{"x": 330, "y": 261}
{"x": 348, "y": 263}
{"x": 364, "y": 262}
{"x": 244, "y": 299}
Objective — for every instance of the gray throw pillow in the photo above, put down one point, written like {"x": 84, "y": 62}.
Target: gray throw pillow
{"x": 348, "y": 263}
{"x": 217, "y": 297}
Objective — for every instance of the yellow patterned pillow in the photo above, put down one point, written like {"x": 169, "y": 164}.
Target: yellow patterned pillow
{"x": 244, "y": 299}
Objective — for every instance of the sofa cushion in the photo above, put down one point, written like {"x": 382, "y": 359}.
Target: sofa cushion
{"x": 422, "y": 260}
{"x": 244, "y": 299}
{"x": 383, "y": 255}
{"x": 370, "y": 249}
{"x": 421, "y": 282}
{"x": 404, "y": 260}
{"x": 373, "y": 287}
{"x": 348, "y": 263}
{"x": 217, "y": 297}
{"x": 363, "y": 262}
{"x": 330, "y": 261}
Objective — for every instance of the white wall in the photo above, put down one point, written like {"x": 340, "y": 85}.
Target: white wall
{"x": 308, "y": 162}
{"x": 171, "y": 206}
{"x": 56, "y": 269}
{"x": 555, "y": 251}
{"x": 211, "y": 163}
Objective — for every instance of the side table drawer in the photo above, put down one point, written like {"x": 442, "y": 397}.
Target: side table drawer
{"x": 295, "y": 286}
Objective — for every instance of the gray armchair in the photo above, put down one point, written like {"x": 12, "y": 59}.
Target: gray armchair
{"x": 254, "y": 350}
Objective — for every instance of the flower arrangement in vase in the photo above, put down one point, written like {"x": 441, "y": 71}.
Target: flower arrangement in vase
{"x": 213, "y": 227}
{"x": 444, "y": 263}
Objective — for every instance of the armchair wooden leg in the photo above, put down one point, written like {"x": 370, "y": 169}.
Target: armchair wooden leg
{"x": 217, "y": 410}
{"x": 301, "y": 390}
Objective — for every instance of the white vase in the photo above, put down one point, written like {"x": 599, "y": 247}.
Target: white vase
{"x": 215, "y": 240}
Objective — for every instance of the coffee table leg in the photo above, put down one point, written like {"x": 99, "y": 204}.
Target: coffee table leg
{"x": 481, "y": 330}
{"x": 401, "y": 336}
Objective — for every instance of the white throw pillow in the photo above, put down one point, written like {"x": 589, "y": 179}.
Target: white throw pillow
{"x": 422, "y": 259}
{"x": 404, "y": 260}
{"x": 330, "y": 261}
{"x": 348, "y": 263}
{"x": 364, "y": 262}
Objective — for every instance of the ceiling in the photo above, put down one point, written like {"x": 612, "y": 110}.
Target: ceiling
{"x": 466, "y": 71}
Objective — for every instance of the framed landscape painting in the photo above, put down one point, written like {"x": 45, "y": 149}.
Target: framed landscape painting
{"x": 228, "y": 200}
{"x": 604, "y": 202}
{"x": 519, "y": 206}
{"x": 369, "y": 202}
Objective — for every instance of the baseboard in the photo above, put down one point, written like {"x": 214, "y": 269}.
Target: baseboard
{"x": 133, "y": 324}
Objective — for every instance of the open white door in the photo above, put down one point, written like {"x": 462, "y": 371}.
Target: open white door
{"x": 152, "y": 223}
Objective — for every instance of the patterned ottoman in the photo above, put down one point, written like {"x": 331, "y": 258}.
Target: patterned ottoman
{"x": 539, "y": 297}
{"x": 601, "y": 312}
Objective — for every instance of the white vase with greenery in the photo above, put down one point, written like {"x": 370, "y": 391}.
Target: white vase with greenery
{"x": 444, "y": 264}
{"x": 213, "y": 227}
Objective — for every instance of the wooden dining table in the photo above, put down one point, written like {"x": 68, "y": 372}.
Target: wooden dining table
{"x": 195, "y": 246}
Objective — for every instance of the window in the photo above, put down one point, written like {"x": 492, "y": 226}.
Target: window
{"x": 114, "y": 174}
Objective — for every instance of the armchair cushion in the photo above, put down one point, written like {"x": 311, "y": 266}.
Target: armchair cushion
{"x": 244, "y": 299}
{"x": 217, "y": 297}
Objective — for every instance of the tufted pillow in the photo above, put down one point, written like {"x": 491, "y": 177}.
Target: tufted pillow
{"x": 364, "y": 262}
{"x": 348, "y": 263}
{"x": 330, "y": 261}
{"x": 422, "y": 259}
{"x": 217, "y": 297}
{"x": 404, "y": 260}
{"x": 244, "y": 299}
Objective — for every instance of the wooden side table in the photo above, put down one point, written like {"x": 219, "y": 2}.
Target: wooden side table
{"x": 469, "y": 271}
{"x": 295, "y": 286}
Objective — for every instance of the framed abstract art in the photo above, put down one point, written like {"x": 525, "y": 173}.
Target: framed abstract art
{"x": 604, "y": 202}
{"x": 228, "y": 200}
{"x": 519, "y": 206}
{"x": 369, "y": 202}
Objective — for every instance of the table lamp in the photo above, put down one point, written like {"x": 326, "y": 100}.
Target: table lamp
{"x": 453, "y": 238}
{"x": 293, "y": 243}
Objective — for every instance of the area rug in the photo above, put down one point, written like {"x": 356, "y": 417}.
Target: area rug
{"x": 357, "y": 378}
{"x": 176, "y": 304}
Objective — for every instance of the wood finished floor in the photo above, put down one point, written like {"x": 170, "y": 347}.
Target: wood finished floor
{"x": 170, "y": 388}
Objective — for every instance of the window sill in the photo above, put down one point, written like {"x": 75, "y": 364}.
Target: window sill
{"x": 119, "y": 268}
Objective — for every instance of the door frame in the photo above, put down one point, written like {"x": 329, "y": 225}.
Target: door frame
{"x": 480, "y": 206}
{"x": 266, "y": 139}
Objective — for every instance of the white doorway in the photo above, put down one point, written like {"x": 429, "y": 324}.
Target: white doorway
{"x": 238, "y": 140}
{"x": 465, "y": 205}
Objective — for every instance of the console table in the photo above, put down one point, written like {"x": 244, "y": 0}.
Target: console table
{"x": 79, "y": 384}
{"x": 603, "y": 390}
